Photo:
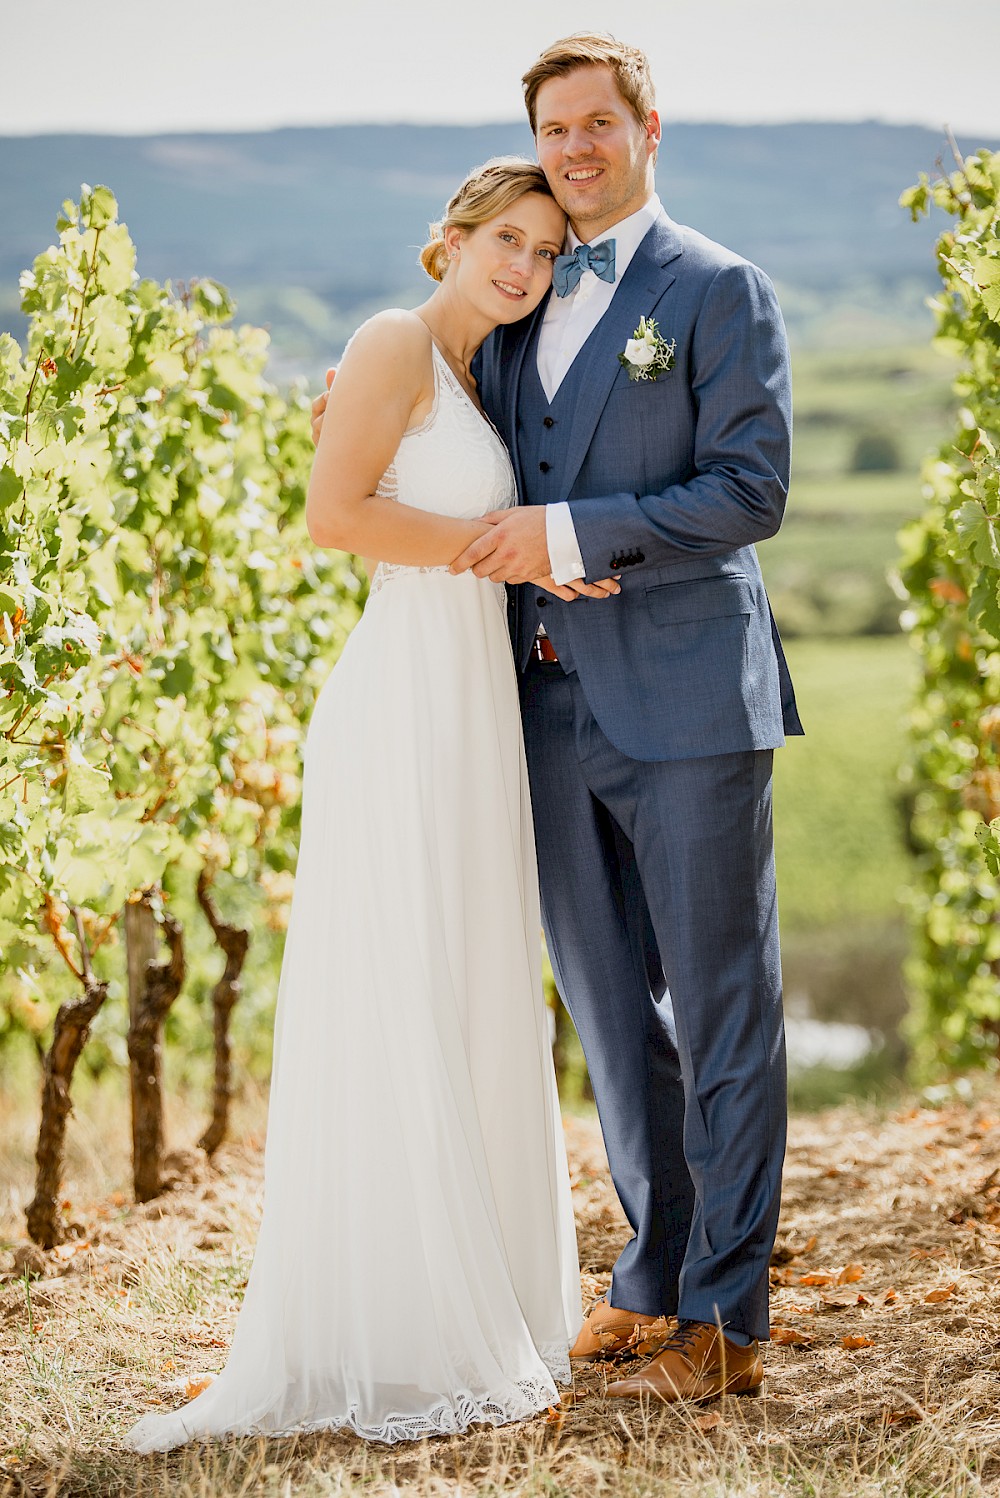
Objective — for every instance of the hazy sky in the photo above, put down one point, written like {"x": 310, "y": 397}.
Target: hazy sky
{"x": 136, "y": 65}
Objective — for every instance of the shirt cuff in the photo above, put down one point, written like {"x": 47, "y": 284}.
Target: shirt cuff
{"x": 564, "y": 549}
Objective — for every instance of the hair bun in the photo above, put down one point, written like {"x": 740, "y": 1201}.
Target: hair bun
{"x": 434, "y": 255}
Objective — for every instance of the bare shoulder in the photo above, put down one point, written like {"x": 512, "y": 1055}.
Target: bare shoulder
{"x": 394, "y": 339}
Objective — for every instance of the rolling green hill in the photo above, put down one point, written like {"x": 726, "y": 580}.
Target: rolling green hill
{"x": 313, "y": 228}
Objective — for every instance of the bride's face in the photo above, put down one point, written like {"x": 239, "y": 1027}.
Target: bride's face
{"x": 504, "y": 267}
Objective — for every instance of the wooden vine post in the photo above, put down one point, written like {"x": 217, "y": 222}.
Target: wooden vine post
{"x": 153, "y": 987}
{"x": 234, "y": 941}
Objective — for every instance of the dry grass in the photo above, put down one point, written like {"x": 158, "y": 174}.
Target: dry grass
{"x": 146, "y": 1299}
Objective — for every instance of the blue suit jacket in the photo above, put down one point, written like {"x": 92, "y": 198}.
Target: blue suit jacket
{"x": 671, "y": 482}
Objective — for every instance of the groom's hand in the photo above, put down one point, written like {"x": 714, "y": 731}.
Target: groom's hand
{"x": 318, "y": 408}
{"x": 513, "y": 550}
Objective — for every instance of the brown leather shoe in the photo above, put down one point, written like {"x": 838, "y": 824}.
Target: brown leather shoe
{"x": 696, "y": 1362}
{"x": 607, "y": 1330}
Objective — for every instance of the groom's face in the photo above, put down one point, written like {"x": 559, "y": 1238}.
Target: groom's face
{"x": 596, "y": 154}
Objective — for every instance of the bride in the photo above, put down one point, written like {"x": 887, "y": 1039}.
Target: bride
{"x": 416, "y": 1267}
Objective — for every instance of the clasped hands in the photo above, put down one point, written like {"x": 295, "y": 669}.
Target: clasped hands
{"x": 513, "y": 550}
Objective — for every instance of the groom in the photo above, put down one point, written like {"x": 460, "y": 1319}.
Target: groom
{"x": 650, "y": 719}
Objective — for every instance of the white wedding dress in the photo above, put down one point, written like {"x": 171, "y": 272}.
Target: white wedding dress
{"x": 416, "y": 1268}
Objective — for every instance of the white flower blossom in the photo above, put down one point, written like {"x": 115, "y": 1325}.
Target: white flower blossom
{"x": 639, "y": 351}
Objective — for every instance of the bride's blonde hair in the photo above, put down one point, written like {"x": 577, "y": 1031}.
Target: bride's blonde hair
{"x": 486, "y": 191}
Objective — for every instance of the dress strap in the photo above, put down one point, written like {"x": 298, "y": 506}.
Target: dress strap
{"x": 442, "y": 367}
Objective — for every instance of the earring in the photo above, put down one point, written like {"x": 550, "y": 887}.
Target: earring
{"x": 454, "y": 254}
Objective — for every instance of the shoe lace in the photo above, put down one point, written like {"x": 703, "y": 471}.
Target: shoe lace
{"x": 683, "y": 1338}
{"x": 600, "y": 1301}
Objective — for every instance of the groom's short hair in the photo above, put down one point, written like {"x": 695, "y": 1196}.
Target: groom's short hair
{"x": 585, "y": 49}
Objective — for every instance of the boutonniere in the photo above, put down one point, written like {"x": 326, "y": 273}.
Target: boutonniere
{"x": 647, "y": 355}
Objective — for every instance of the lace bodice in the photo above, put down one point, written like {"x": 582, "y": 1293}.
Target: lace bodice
{"x": 454, "y": 463}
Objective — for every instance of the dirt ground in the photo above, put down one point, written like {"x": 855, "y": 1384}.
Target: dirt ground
{"x": 884, "y": 1374}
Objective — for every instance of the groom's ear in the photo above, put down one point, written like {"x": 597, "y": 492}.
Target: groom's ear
{"x": 654, "y": 134}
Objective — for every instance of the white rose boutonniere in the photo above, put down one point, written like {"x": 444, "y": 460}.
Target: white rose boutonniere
{"x": 647, "y": 355}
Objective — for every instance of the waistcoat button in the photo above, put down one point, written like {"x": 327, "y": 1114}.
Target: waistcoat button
{"x": 545, "y": 467}
{"x": 541, "y": 602}
{"x": 549, "y": 421}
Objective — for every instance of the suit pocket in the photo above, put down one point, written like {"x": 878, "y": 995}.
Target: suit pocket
{"x": 700, "y": 598}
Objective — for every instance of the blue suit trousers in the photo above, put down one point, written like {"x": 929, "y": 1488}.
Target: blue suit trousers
{"x": 660, "y": 913}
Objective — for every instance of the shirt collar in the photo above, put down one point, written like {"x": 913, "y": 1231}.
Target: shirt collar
{"x": 627, "y": 235}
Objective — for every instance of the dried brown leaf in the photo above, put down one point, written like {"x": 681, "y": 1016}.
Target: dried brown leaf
{"x": 850, "y": 1274}
{"x": 854, "y": 1343}
{"x": 905, "y": 1416}
{"x": 838, "y": 1300}
{"x": 607, "y": 1339}
{"x": 933, "y": 1297}
{"x": 710, "y": 1421}
{"x": 647, "y": 1340}
{"x": 787, "y": 1336}
{"x": 197, "y": 1385}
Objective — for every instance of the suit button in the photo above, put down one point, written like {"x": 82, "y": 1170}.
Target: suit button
{"x": 541, "y": 602}
{"x": 545, "y": 467}
{"x": 548, "y": 421}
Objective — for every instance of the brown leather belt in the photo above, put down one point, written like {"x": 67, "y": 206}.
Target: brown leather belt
{"x": 542, "y": 649}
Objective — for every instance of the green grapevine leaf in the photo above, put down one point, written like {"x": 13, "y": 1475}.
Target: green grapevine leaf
{"x": 977, "y": 533}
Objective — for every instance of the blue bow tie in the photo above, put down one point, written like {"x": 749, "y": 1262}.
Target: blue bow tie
{"x": 567, "y": 270}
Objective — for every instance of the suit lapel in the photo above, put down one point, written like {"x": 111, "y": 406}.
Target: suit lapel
{"x": 641, "y": 287}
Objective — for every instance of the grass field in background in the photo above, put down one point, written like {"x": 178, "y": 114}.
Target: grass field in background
{"x": 837, "y": 393}
{"x": 826, "y": 568}
{"x": 840, "y": 835}
{"x": 841, "y": 853}
{"x": 838, "y": 828}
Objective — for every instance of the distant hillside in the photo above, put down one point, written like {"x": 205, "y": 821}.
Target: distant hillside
{"x": 313, "y": 227}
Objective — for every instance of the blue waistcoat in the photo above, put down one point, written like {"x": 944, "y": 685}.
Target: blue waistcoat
{"x": 541, "y": 443}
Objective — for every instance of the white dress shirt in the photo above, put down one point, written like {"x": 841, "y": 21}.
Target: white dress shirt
{"x": 566, "y": 326}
